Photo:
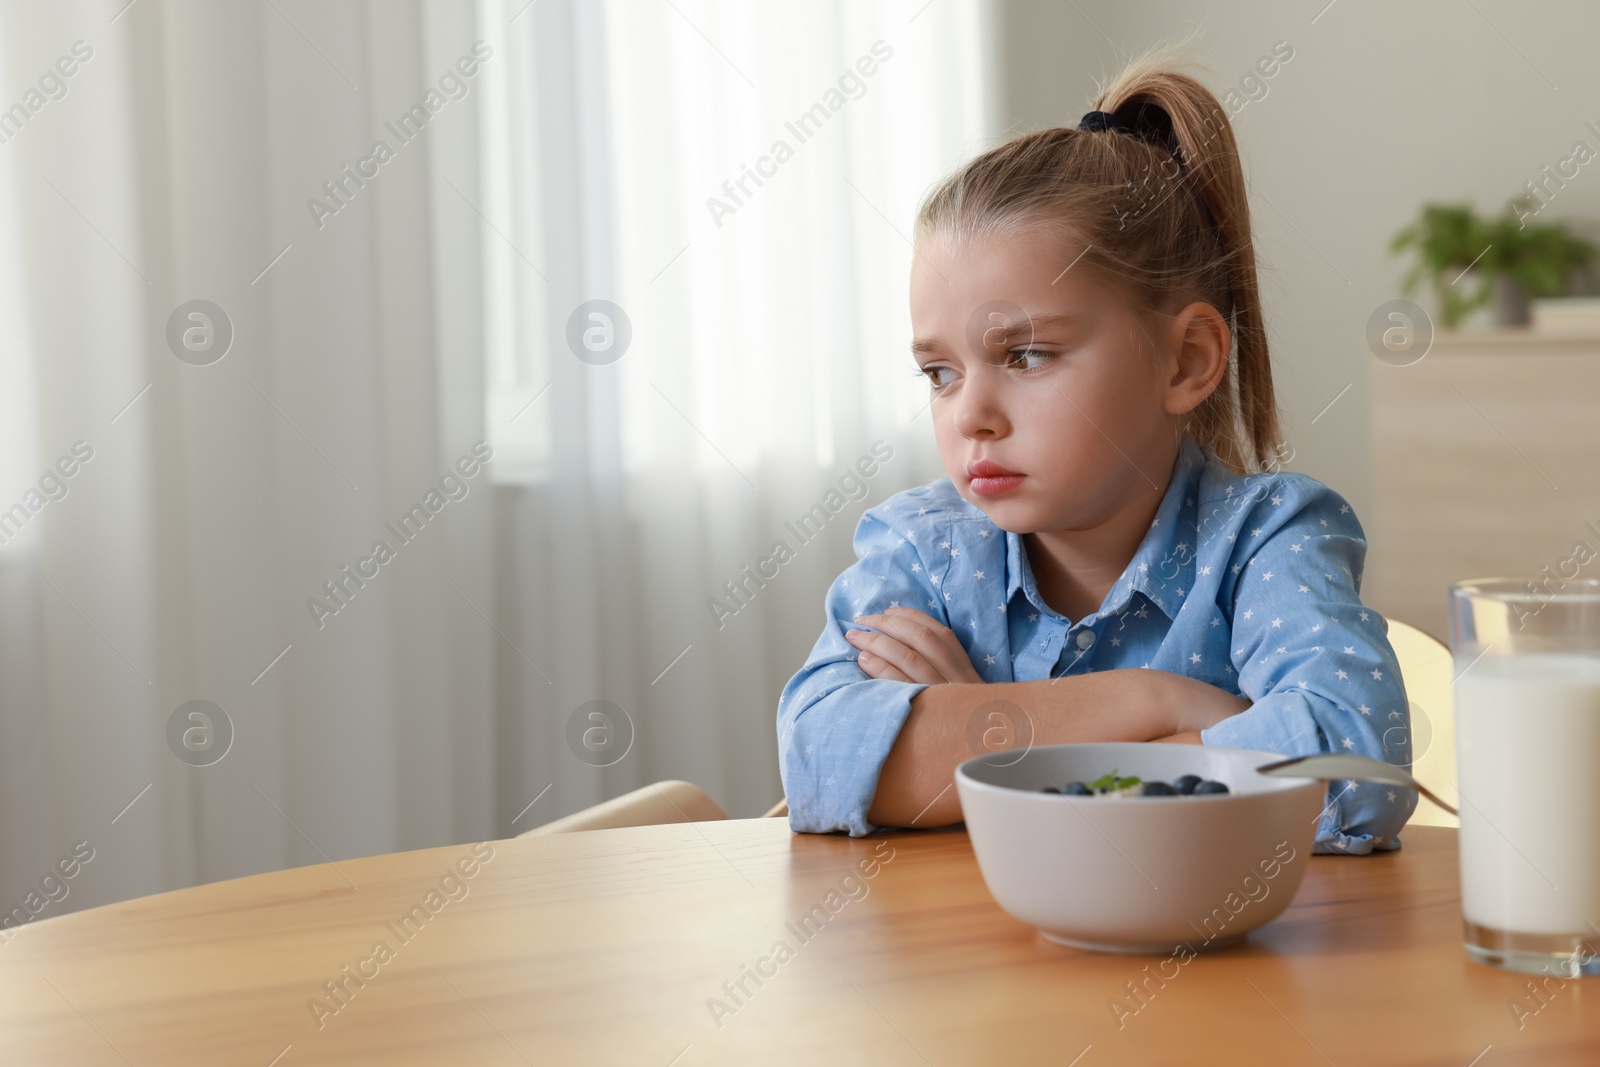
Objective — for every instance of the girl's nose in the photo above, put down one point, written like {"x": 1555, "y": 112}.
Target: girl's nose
{"x": 980, "y": 410}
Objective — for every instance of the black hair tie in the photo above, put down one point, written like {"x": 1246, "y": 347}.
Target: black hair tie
{"x": 1148, "y": 122}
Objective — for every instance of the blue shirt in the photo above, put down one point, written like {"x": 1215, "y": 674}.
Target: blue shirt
{"x": 1248, "y": 582}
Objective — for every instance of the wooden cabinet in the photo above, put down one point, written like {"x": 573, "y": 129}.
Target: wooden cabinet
{"x": 1487, "y": 457}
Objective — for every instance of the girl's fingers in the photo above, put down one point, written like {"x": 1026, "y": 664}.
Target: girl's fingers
{"x": 911, "y": 664}
{"x": 930, "y": 638}
{"x": 921, "y": 636}
{"x": 878, "y": 668}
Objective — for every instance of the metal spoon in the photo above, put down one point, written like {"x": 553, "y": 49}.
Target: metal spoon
{"x": 1332, "y": 766}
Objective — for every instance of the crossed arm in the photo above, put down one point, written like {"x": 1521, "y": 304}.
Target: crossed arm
{"x": 917, "y": 785}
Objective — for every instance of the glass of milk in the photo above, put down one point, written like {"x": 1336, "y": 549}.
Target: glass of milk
{"x": 1527, "y": 706}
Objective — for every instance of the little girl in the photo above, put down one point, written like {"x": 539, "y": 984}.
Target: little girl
{"x": 1115, "y": 555}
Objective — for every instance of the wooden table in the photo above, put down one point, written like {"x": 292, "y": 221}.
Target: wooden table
{"x": 613, "y": 947}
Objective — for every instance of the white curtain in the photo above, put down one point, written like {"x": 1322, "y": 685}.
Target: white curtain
{"x": 389, "y": 311}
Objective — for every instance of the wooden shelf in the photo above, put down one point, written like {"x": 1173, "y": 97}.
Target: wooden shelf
{"x": 1481, "y": 342}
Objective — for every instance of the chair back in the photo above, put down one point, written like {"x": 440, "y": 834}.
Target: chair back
{"x": 659, "y": 802}
{"x": 1427, "y": 670}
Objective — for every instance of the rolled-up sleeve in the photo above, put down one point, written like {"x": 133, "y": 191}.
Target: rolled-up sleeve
{"x": 1315, "y": 661}
{"x": 836, "y": 725}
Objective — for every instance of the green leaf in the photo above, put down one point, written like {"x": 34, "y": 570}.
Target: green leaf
{"x": 1108, "y": 783}
{"x": 1104, "y": 782}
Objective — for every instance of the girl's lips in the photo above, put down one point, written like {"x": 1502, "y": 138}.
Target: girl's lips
{"x": 994, "y": 486}
{"x": 989, "y": 478}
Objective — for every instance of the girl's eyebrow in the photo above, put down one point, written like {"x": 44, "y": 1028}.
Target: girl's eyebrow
{"x": 1034, "y": 324}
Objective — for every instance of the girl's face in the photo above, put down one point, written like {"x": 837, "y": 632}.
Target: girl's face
{"x": 1050, "y": 400}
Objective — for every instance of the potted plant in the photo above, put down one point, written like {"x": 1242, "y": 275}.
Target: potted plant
{"x": 1448, "y": 238}
{"x": 1532, "y": 260}
{"x": 1509, "y": 261}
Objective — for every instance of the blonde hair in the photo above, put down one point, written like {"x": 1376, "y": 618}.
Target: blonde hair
{"x": 1161, "y": 220}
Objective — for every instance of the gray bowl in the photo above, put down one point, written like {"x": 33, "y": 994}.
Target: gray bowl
{"x": 1139, "y": 874}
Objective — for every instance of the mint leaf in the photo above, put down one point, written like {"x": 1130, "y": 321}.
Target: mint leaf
{"x": 1104, "y": 782}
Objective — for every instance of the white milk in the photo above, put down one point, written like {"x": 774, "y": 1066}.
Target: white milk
{"x": 1528, "y": 758}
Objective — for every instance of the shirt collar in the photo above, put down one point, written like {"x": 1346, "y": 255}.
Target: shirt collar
{"x": 1164, "y": 561}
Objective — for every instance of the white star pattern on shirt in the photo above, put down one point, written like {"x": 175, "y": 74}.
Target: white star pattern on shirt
{"x": 1363, "y": 709}
{"x": 1377, "y": 675}
{"x": 1236, "y": 568}
{"x": 1349, "y": 650}
{"x": 1194, "y": 657}
{"x": 1277, "y": 622}
{"x": 988, "y": 659}
{"x": 1256, "y": 532}
{"x": 1115, "y": 641}
{"x": 1002, "y": 607}
{"x": 1142, "y": 613}
{"x": 1342, "y": 675}
{"x": 1391, "y": 795}
{"x": 916, "y": 568}
{"x": 1294, "y": 548}
{"x": 934, "y": 578}
{"x": 983, "y": 533}
{"x": 1216, "y": 622}
{"x": 976, "y": 574}
{"x": 955, "y": 552}
{"x": 1276, "y": 500}
{"x": 1364, "y": 616}
{"x": 1267, "y": 577}
{"x": 1305, "y": 589}
{"x": 1033, "y": 616}
{"x": 1204, "y": 571}
{"x": 1347, "y": 743}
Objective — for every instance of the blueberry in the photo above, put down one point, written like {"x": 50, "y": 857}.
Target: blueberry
{"x": 1209, "y": 786}
{"x": 1077, "y": 789}
{"x": 1186, "y": 783}
{"x": 1157, "y": 789}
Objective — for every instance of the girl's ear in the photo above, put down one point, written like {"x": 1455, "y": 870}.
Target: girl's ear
{"x": 1197, "y": 357}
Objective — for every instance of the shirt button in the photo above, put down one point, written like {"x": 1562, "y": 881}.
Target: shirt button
{"x": 1085, "y": 638}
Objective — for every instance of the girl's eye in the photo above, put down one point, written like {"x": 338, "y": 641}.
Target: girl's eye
{"x": 933, "y": 375}
{"x": 1030, "y": 358}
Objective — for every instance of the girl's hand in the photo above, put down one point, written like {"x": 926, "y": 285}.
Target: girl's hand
{"x": 911, "y": 646}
